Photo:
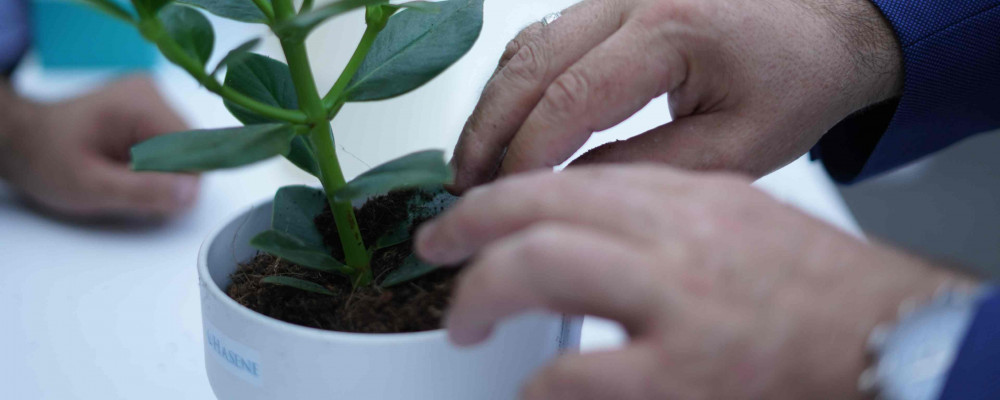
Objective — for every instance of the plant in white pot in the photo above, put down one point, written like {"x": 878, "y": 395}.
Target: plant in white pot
{"x": 307, "y": 296}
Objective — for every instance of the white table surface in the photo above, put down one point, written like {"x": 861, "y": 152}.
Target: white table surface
{"x": 112, "y": 311}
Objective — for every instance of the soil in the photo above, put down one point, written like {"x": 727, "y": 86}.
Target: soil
{"x": 414, "y": 306}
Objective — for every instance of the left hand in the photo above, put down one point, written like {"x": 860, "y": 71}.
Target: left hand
{"x": 725, "y": 292}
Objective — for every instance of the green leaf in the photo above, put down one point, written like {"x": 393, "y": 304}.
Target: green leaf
{"x": 280, "y": 244}
{"x": 240, "y": 10}
{"x": 418, "y": 169}
{"x": 113, "y": 9}
{"x": 302, "y": 156}
{"x": 296, "y": 29}
{"x": 395, "y": 236}
{"x": 297, "y": 284}
{"x": 295, "y": 210}
{"x": 414, "y": 48}
{"x": 205, "y": 150}
{"x": 426, "y": 203}
{"x": 190, "y": 29}
{"x": 270, "y": 82}
{"x": 411, "y": 268}
{"x": 263, "y": 79}
{"x": 236, "y": 55}
{"x": 149, "y": 7}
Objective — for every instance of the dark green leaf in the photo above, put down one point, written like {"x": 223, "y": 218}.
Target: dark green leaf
{"x": 149, "y": 7}
{"x": 411, "y": 268}
{"x": 425, "y": 204}
{"x": 240, "y": 10}
{"x": 113, "y": 9}
{"x": 263, "y": 79}
{"x": 418, "y": 169}
{"x": 280, "y": 244}
{"x": 270, "y": 82}
{"x": 295, "y": 209}
{"x": 205, "y": 150}
{"x": 396, "y": 236}
{"x": 297, "y": 284}
{"x": 415, "y": 47}
{"x": 190, "y": 29}
{"x": 236, "y": 55}
{"x": 430, "y": 202}
{"x": 296, "y": 29}
{"x": 302, "y": 156}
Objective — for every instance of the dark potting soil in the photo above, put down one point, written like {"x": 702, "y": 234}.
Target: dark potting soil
{"x": 414, "y": 306}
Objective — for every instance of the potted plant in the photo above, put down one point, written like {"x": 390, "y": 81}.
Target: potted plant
{"x": 317, "y": 293}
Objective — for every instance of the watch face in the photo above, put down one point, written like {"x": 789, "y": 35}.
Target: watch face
{"x": 918, "y": 354}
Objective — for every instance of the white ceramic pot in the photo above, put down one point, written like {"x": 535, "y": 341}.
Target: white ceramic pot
{"x": 251, "y": 356}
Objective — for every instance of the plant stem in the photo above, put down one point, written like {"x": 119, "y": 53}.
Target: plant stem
{"x": 371, "y": 32}
{"x": 321, "y": 138}
{"x": 154, "y": 31}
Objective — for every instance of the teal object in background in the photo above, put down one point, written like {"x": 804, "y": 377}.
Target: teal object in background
{"x": 68, "y": 34}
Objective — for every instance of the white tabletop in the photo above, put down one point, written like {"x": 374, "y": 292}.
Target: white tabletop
{"x": 112, "y": 312}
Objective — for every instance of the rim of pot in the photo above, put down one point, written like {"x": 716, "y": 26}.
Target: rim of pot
{"x": 290, "y": 328}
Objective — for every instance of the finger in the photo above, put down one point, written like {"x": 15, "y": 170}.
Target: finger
{"x": 531, "y": 61}
{"x": 141, "y": 114}
{"x": 605, "y": 87}
{"x": 562, "y": 268}
{"x": 517, "y": 202}
{"x": 622, "y": 375}
{"x": 144, "y": 194}
{"x": 706, "y": 142}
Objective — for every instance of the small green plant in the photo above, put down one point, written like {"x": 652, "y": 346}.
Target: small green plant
{"x": 404, "y": 46}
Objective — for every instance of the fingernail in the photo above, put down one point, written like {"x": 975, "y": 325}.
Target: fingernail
{"x": 425, "y": 243}
{"x": 467, "y": 337}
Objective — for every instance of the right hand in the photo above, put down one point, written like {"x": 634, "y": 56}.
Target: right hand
{"x": 752, "y": 84}
{"x": 72, "y": 157}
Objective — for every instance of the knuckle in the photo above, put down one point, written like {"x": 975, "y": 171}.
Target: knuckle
{"x": 488, "y": 277}
{"x": 568, "y": 93}
{"x": 539, "y": 243}
{"x": 527, "y": 61}
{"x": 656, "y": 13}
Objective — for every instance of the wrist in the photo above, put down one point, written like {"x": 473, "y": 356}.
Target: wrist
{"x": 913, "y": 355}
{"x": 871, "y": 46}
{"x": 918, "y": 283}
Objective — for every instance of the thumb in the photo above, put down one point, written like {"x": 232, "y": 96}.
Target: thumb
{"x": 706, "y": 142}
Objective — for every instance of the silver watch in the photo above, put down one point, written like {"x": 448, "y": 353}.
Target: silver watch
{"x": 912, "y": 358}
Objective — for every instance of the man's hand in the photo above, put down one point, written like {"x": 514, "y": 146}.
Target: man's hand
{"x": 725, "y": 292}
{"x": 73, "y": 157}
{"x": 752, "y": 84}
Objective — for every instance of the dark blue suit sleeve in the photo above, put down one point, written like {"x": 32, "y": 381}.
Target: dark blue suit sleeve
{"x": 976, "y": 372}
{"x": 951, "y": 55}
{"x": 14, "y": 33}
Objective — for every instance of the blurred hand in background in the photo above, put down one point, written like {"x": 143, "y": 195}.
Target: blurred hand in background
{"x": 752, "y": 84}
{"x": 73, "y": 157}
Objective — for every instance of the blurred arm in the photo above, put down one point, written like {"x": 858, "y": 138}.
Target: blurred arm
{"x": 14, "y": 33}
